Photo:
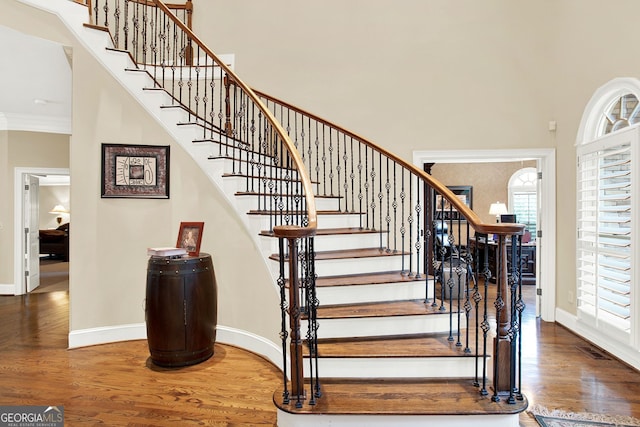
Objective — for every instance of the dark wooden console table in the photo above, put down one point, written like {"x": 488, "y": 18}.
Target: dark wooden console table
{"x": 181, "y": 309}
{"x": 528, "y": 258}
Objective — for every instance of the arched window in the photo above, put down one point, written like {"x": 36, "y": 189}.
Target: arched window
{"x": 523, "y": 198}
{"x": 607, "y": 145}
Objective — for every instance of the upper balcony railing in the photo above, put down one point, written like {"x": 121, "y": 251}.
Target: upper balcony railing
{"x": 286, "y": 155}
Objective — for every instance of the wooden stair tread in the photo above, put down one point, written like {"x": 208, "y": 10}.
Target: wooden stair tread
{"x": 321, "y": 212}
{"x": 402, "y": 397}
{"x": 427, "y": 345}
{"x": 332, "y": 231}
{"x": 255, "y": 193}
{"x": 349, "y": 253}
{"x": 378, "y": 309}
{"x": 367, "y": 279}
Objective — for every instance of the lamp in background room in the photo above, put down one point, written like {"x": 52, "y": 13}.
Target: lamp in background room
{"x": 58, "y": 210}
{"x": 497, "y": 209}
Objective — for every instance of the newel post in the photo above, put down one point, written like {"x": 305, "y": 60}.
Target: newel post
{"x": 295, "y": 346}
{"x": 293, "y": 310}
{"x": 502, "y": 343}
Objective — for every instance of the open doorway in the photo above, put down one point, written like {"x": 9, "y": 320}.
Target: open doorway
{"x": 28, "y": 221}
{"x": 545, "y": 164}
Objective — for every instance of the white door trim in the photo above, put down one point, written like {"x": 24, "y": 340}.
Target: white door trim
{"x": 18, "y": 220}
{"x": 546, "y": 158}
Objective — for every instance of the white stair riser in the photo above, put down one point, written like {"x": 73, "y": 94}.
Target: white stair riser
{"x": 250, "y": 202}
{"x": 383, "y": 326}
{"x": 287, "y": 419}
{"x": 397, "y": 367}
{"x": 346, "y": 241}
{"x": 338, "y": 221}
{"x": 236, "y": 184}
{"x": 261, "y": 222}
{"x": 331, "y": 242}
{"x": 337, "y": 267}
{"x": 332, "y": 295}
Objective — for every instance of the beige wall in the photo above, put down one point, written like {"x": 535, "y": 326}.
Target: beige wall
{"x": 422, "y": 75}
{"x": 24, "y": 150}
{"x": 110, "y": 236}
{"x": 439, "y": 75}
{"x": 490, "y": 181}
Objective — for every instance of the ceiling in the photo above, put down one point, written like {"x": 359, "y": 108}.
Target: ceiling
{"x": 35, "y": 83}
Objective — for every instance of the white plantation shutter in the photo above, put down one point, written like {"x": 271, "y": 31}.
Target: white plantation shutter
{"x": 605, "y": 247}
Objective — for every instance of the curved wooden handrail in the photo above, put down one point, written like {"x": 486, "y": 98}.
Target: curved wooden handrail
{"x": 289, "y": 231}
{"x": 470, "y": 215}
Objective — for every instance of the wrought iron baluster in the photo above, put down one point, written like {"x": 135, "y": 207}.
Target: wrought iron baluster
{"x": 395, "y": 212}
{"x": 418, "y": 244}
{"x": 360, "y": 195}
{"x": 403, "y": 230}
{"x": 345, "y": 158}
{"x": 367, "y": 187}
{"x": 485, "y": 325}
{"x": 353, "y": 176}
{"x": 284, "y": 308}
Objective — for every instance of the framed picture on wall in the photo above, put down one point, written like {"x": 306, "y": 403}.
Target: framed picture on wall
{"x": 135, "y": 171}
{"x": 445, "y": 210}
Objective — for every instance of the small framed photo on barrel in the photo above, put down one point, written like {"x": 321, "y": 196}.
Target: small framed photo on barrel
{"x": 190, "y": 237}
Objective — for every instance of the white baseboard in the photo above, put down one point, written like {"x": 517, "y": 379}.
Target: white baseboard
{"x": 250, "y": 342}
{"x": 7, "y": 289}
{"x": 618, "y": 349}
{"x": 107, "y": 334}
{"x": 138, "y": 331}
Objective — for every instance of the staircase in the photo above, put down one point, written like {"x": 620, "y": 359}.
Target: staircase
{"x": 386, "y": 346}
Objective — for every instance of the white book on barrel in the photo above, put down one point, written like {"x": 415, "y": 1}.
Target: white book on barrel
{"x": 166, "y": 251}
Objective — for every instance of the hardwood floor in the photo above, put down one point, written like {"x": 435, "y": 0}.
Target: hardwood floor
{"x": 117, "y": 385}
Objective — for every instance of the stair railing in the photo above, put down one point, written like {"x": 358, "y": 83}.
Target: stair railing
{"x": 390, "y": 195}
{"x": 242, "y": 130}
{"x": 408, "y": 208}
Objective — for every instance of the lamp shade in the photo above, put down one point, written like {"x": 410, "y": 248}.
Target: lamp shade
{"x": 497, "y": 209}
{"x": 58, "y": 209}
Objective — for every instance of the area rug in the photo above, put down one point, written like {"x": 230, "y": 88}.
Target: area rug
{"x": 559, "y": 418}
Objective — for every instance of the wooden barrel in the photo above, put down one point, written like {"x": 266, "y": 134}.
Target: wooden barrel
{"x": 181, "y": 310}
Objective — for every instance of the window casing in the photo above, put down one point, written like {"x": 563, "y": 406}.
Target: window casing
{"x": 523, "y": 198}
{"x": 606, "y": 218}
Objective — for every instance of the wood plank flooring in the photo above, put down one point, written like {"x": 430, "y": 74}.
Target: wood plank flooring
{"x": 117, "y": 385}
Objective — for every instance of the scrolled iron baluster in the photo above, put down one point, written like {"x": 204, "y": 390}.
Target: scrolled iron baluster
{"x": 403, "y": 230}
{"x": 485, "y": 325}
{"x": 284, "y": 308}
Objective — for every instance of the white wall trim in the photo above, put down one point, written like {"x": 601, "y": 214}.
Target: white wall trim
{"x": 616, "y": 348}
{"x": 600, "y": 100}
{"x": 107, "y": 334}
{"x": 250, "y": 342}
{"x": 138, "y": 331}
{"x": 18, "y": 241}
{"x": 546, "y": 244}
{"x": 7, "y": 289}
{"x": 33, "y": 123}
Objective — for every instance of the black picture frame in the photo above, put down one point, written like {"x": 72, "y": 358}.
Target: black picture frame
{"x": 443, "y": 210}
{"x": 135, "y": 171}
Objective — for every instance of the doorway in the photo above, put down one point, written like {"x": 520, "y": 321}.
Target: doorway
{"x": 24, "y": 257}
{"x": 545, "y": 160}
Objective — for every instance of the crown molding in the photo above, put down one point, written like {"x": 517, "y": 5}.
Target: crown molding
{"x": 33, "y": 123}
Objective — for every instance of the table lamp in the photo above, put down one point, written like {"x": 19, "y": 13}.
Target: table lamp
{"x": 497, "y": 209}
{"x": 58, "y": 210}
